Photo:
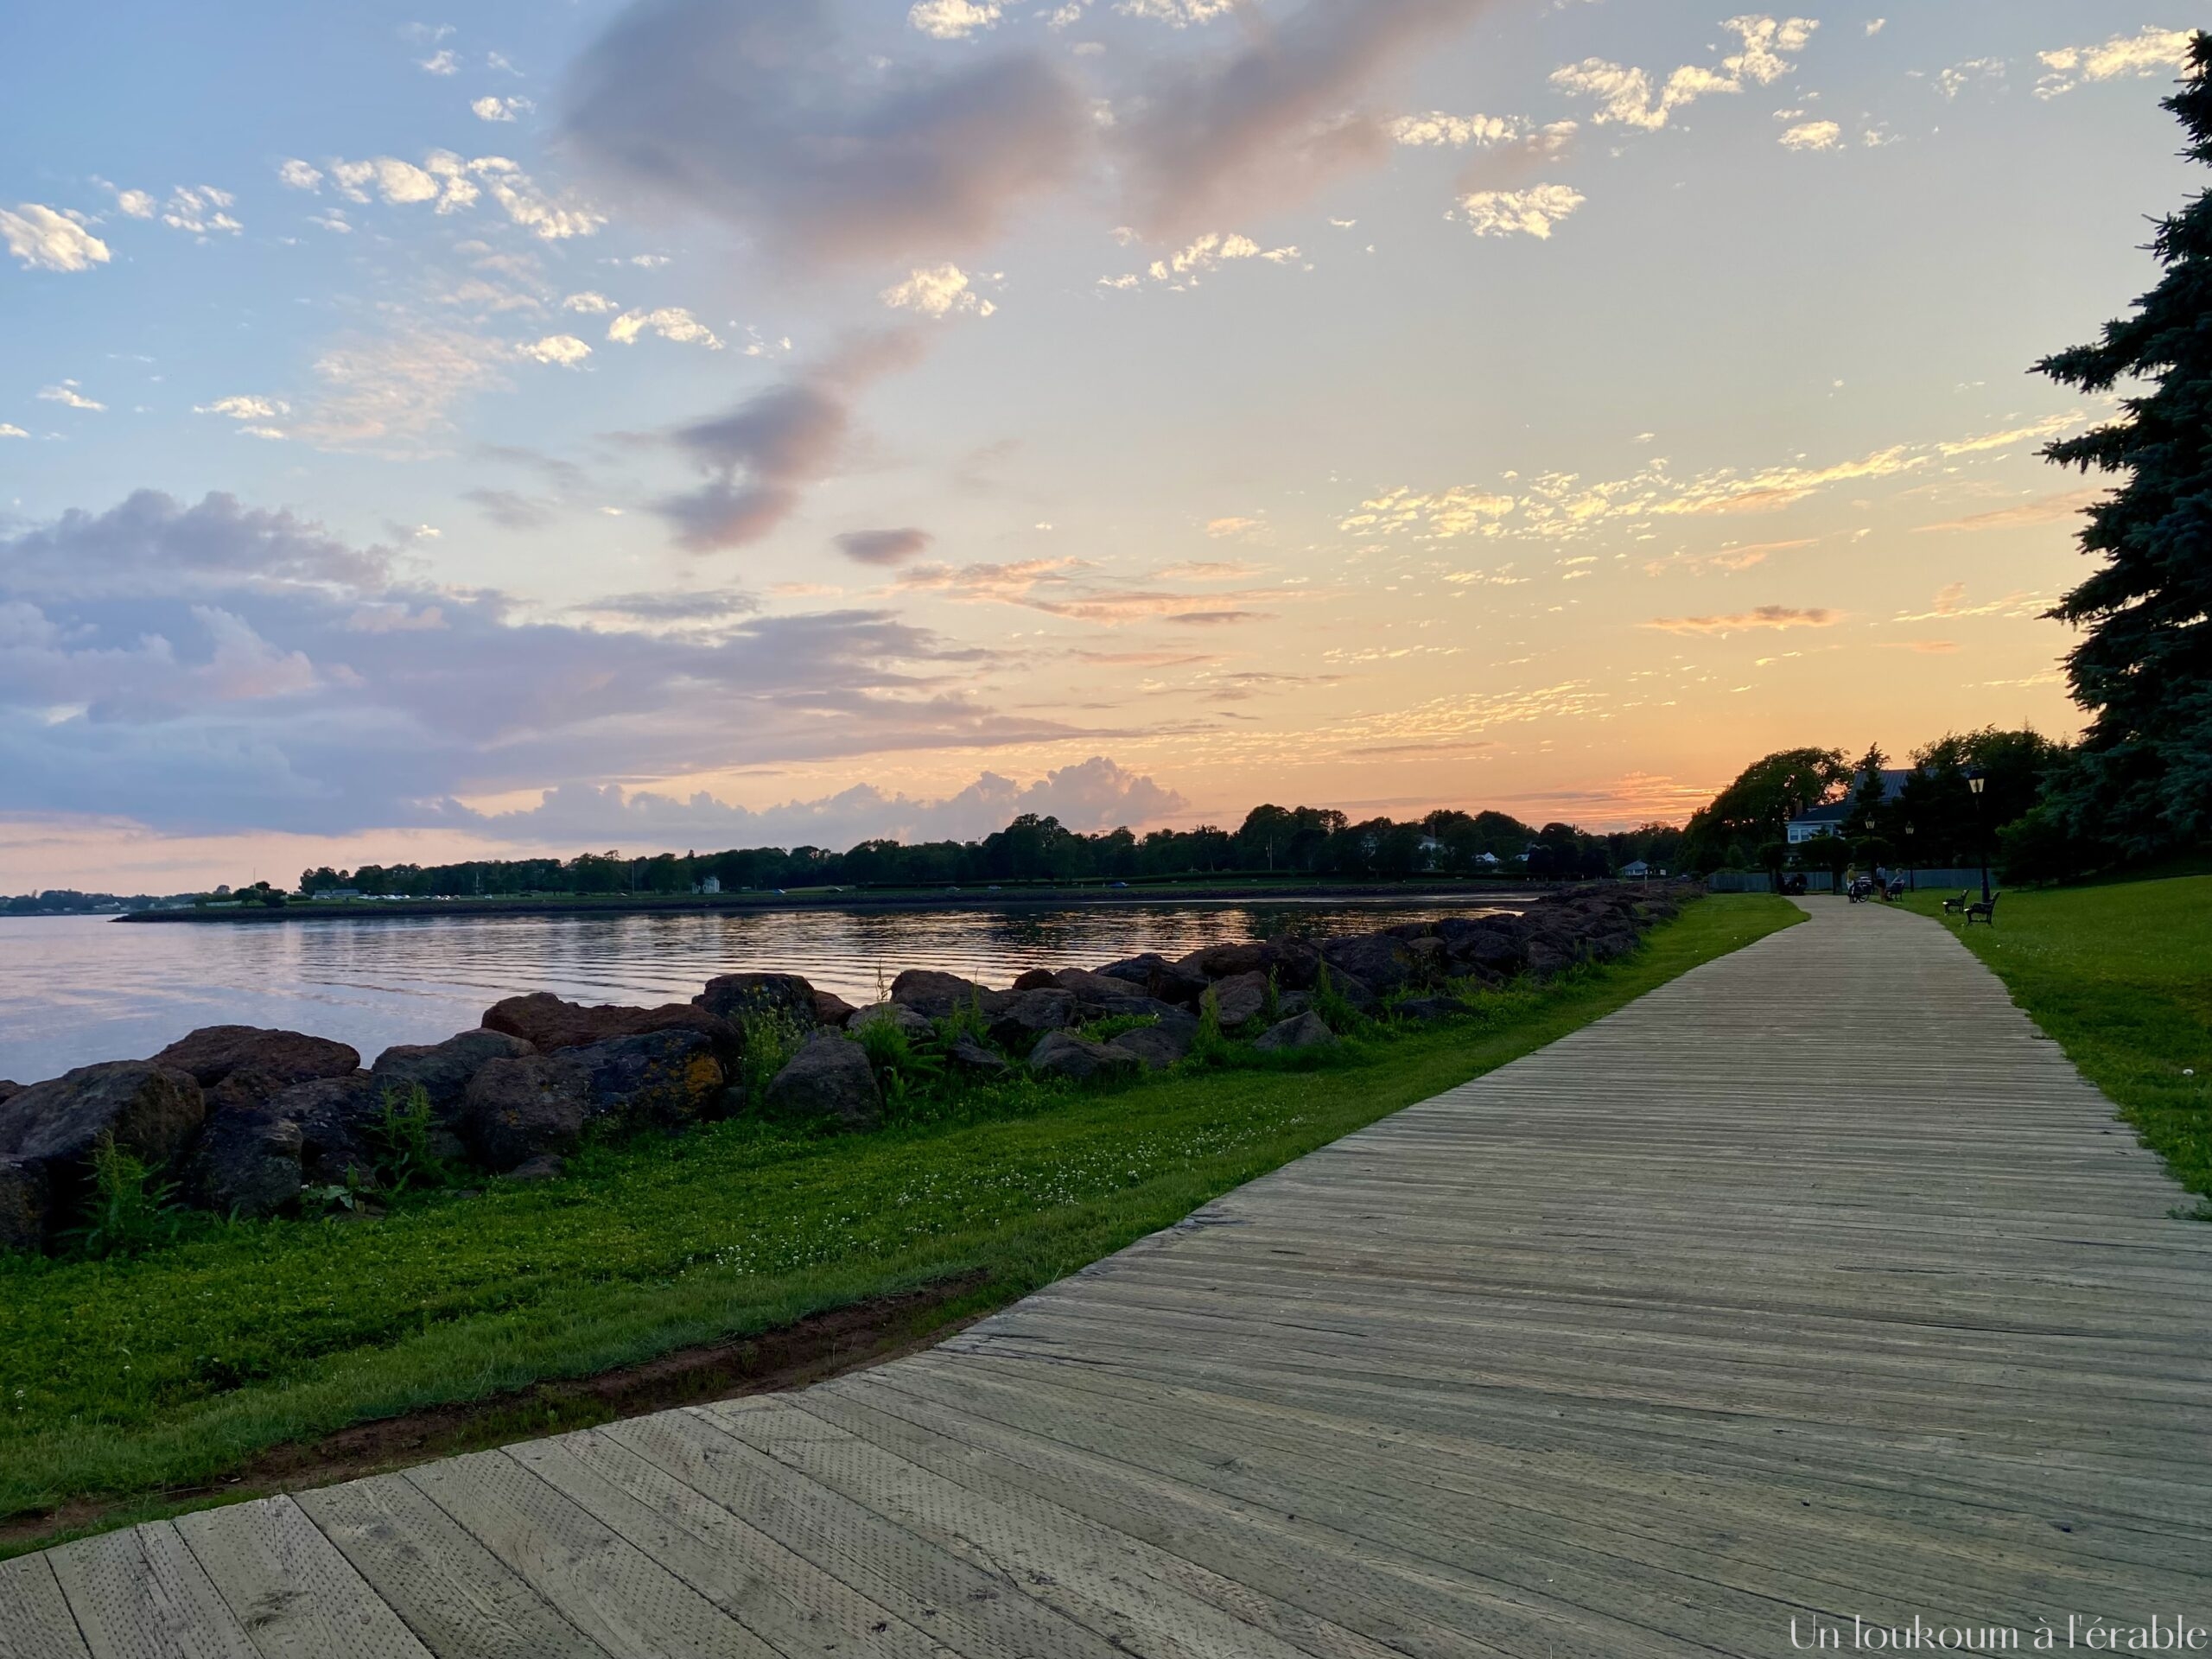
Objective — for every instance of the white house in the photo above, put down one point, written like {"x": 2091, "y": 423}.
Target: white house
{"x": 1829, "y": 817}
{"x": 710, "y": 884}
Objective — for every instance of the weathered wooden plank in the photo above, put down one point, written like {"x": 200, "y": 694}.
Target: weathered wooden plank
{"x": 460, "y": 1600}
{"x": 34, "y": 1621}
{"x": 1108, "y": 1582}
{"x": 970, "y": 1611}
{"x": 140, "y": 1595}
{"x": 624, "y": 1600}
{"x": 295, "y": 1594}
{"x": 783, "y": 1597}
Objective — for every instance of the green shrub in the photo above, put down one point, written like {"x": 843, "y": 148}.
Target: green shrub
{"x": 401, "y": 1135}
{"x": 1210, "y": 1045}
{"x": 128, "y": 1212}
{"x": 771, "y": 1037}
{"x": 1270, "y": 1001}
{"x": 967, "y": 1021}
{"x": 1104, "y": 1031}
{"x": 1328, "y": 1002}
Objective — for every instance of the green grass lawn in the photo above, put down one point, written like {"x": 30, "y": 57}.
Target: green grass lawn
{"x": 2121, "y": 975}
{"x": 123, "y": 1378}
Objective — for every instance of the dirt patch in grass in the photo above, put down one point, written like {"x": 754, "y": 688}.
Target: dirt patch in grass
{"x": 811, "y": 1349}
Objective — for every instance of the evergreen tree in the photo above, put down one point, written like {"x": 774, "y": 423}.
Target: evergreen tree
{"x": 2142, "y": 779}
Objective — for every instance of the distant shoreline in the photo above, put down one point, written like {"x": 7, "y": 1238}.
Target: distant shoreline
{"x": 1023, "y": 897}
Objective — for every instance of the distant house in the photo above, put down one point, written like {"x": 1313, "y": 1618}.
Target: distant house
{"x": 1816, "y": 822}
{"x": 1488, "y": 861}
{"x": 322, "y": 893}
{"x": 710, "y": 884}
{"x": 1639, "y": 871}
{"x": 1828, "y": 818}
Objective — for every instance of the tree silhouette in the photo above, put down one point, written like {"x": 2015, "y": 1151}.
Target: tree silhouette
{"x": 2142, "y": 779}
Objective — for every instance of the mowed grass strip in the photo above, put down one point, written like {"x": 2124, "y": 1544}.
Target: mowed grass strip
{"x": 123, "y": 1378}
{"x": 2119, "y": 973}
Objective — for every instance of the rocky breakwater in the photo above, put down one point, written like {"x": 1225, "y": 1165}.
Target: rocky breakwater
{"x": 252, "y": 1123}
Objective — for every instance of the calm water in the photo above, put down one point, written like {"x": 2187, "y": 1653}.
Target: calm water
{"x": 76, "y": 990}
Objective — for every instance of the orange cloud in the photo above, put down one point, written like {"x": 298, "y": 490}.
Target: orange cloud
{"x": 1766, "y": 616}
{"x": 2049, "y": 510}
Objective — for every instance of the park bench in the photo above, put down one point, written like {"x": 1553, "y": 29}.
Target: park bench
{"x": 1953, "y": 906}
{"x": 1986, "y": 909}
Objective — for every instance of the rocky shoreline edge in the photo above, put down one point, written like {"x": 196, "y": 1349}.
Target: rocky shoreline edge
{"x": 247, "y": 1122}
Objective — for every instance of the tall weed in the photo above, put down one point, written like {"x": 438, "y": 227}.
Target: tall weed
{"x": 128, "y": 1212}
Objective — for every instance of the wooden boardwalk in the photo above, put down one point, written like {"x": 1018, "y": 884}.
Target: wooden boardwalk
{"x": 1815, "y": 1284}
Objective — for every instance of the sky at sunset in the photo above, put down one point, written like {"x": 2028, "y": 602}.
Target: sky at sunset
{"x": 556, "y": 426}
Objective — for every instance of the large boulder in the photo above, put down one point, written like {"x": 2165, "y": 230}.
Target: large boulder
{"x": 939, "y": 995}
{"x": 1549, "y": 955}
{"x": 662, "y": 1079}
{"x": 337, "y": 1120}
{"x": 828, "y": 1076}
{"x": 830, "y": 1008}
{"x": 1021, "y": 1017}
{"x": 24, "y": 1203}
{"x": 1432, "y": 963}
{"x": 1307, "y": 1030}
{"x": 1170, "y": 982}
{"x": 911, "y": 1021}
{"x": 1377, "y": 960}
{"x": 442, "y": 1071}
{"x": 1159, "y": 1045}
{"x": 245, "y": 1066}
{"x": 1609, "y": 942}
{"x": 1096, "y": 995}
{"x": 974, "y": 1060}
{"x": 247, "y": 1165}
{"x": 549, "y": 1024}
{"x": 1242, "y": 999}
{"x": 8, "y": 1091}
{"x": 1063, "y": 1054}
{"x": 1293, "y": 962}
{"x": 518, "y": 1109}
{"x": 153, "y": 1111}
{"x": 732, "y": 997}
{"x": 1355, "y": 992}
{"x": 1474, "y": 942}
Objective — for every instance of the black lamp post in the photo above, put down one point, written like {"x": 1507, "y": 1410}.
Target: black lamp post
{"x": 1974, "y": 782}
{"x": 1911, "y": 862}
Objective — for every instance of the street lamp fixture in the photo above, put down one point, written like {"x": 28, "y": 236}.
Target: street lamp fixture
{"x": 1975, "y": 781}
{"x": 1911, "y": 862}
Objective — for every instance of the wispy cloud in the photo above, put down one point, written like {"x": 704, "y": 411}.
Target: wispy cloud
{"x": 669, "y": 321}
{"x": 1765, "y": 616}
{"x": 2149, "y": 51}
{"x": 937, "y": 291}
{"x": 952, "y": 20}
{"x": 1533, "y": 211}
{"x": 46, "y": 240}
{"x": 1563, "y": 506}
{"x": 2050, "y": 509}
{"x": 1813, "y": 135}
{"x": 67, "y": 395}
{"x": 1629, "y": 96}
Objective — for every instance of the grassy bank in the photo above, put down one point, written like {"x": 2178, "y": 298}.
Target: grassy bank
{"x": 2121, "y": 975}
{"x": 137, "y": 1377}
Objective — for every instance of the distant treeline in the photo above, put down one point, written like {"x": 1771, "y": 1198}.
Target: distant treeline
{"x": 1283, "y": 840}
{"x": 67, "y": 902}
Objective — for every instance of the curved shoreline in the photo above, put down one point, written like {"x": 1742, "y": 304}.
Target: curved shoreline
{"x": 910, "y": 900}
